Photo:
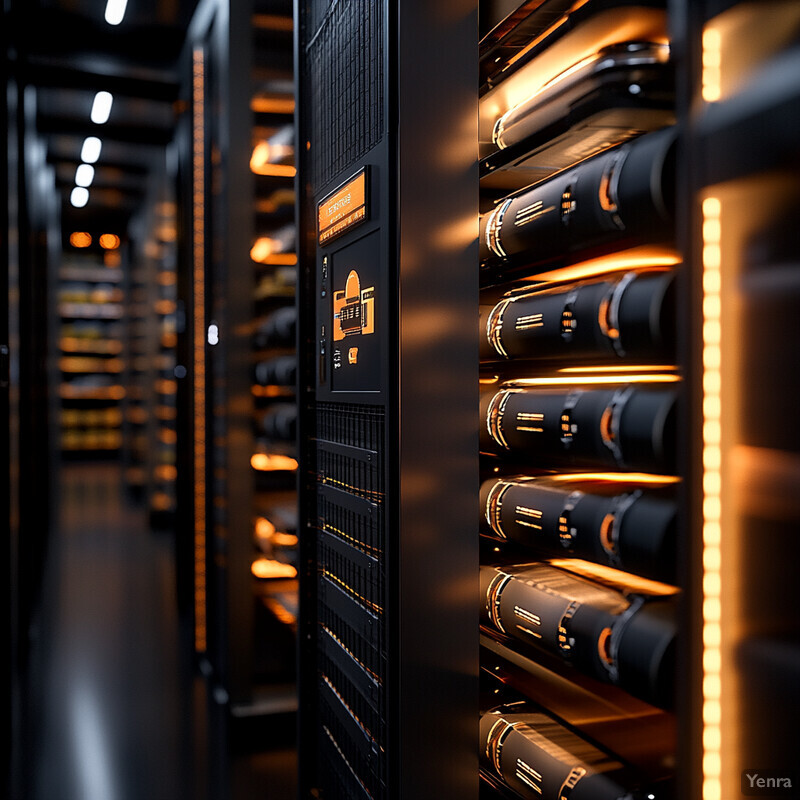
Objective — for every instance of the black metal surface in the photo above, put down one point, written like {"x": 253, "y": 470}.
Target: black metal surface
{"x": 344, "y": 61}
{"x": 351, "y": 563}
{"x": 386, "y": 682}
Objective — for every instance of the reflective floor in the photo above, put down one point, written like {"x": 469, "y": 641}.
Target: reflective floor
{"x": 114, "y": 711}
{"x": 111, "y": 716}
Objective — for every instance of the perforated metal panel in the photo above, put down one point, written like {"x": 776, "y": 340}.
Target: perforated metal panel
{"x": 344, "y": 62}
{"x": 351, "y": 657}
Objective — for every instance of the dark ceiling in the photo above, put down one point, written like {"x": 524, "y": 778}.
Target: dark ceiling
{"x": 69, "y": 52}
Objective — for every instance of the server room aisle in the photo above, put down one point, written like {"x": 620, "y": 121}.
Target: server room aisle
{"x": 111, "y": 715}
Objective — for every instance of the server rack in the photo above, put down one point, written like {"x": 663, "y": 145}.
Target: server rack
{"x": 387, "y": 392}
{"x": 151, "y": 411}
{"x": 242, "y": 635}
{"x": 91, "y": 341}
{"x": 722, "y": 77}
{"x": 214, "y": 436}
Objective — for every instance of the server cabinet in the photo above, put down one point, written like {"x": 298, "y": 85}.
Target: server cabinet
{"x": 239, "y": 602}
{"x": 387, "y": 211}
{"x": 216, "y": 189}
{"x": 742, "y": 114}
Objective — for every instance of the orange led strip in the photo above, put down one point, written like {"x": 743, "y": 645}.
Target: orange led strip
{"x": 712, "y": 65}
{"x": 351, "y": 591}
{"x": 712, "y": 500}
{"x": 198, "y": 283}
{"x": 595, "y": 380}
{"x": 368, "y": 548}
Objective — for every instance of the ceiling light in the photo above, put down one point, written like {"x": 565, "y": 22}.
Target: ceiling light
{"x": 101, "y": 107}
{"x": 79, "y": 197}
{"x": 115, "y": 11}
{"x": 84, "y": 175}
{"x": 90, "y": 151}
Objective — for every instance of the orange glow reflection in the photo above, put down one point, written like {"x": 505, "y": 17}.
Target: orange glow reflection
{"x": 635, "y": 258}
{"x": 164, "y": 307}
{"x": 267, "y": 251}
{"x": 271, "y": 391}
{"x": 270, "y": 153}
{"x": 263, "y": 248}
{"x": 272, "y": 462}
{"x": 166, "y": 472}
{"x": 80, "y": 239}
{"x": 280, "y": 611}
{"x": 269, "y": 568}
{"x": 618, "y": 477}
{"x": 274, "y": 170}
{"x": 109, "y": 241}
{"x": 272, "y": 22}
{"x": 264, "y": 528}
{"x": 593, "y": 380}
{"x": 272, "y": 104}
{"x": 615, "y": 577}
{"x": 618, "y": 369}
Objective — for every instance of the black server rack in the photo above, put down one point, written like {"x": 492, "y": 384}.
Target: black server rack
{"x": 638, "y": 174}
{"x": 387, "y": 211}
{"x": 240, "y": 601}
{"x": 214, "y": 429}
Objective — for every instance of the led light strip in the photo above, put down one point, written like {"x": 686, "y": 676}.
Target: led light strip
{"x": 712, "y": 500}
{"x": 598, "y": 380}
{"x": 712, "y": 65}
{"x": 198, "y": 287}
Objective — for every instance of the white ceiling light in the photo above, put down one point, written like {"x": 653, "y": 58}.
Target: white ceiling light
{"x": 115, "y": 11}
{"x": 101, "y": 107}
{"x": 84, "y": 175}
{"x": 90, "y": 151}
{"x": 79, "y": 197}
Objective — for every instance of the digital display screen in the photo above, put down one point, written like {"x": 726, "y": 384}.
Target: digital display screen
{"x": 343, "y": 209}
{"x": 356, "y": 342}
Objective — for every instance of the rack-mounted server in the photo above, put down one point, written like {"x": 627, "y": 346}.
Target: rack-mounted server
{"x": 536, "y": 756}
{"x": 388, "y": 390}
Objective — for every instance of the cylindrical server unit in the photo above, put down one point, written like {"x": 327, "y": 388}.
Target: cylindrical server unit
{"x": 625, "y": 195}
{"x": 620, "y": 637}
{"x": 543, "y": 760}
{"x": 628, "y": 316}
{"x": 627, "y": 528}
{"x": 630, "y": 427}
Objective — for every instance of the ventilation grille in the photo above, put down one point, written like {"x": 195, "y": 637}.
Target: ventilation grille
{"x": 351, "y": 656}
{"x": 344, "y": 72}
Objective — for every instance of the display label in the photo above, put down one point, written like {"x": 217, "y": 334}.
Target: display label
{"x": 343, "y": 209}
{"x": 355, "y": 317}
